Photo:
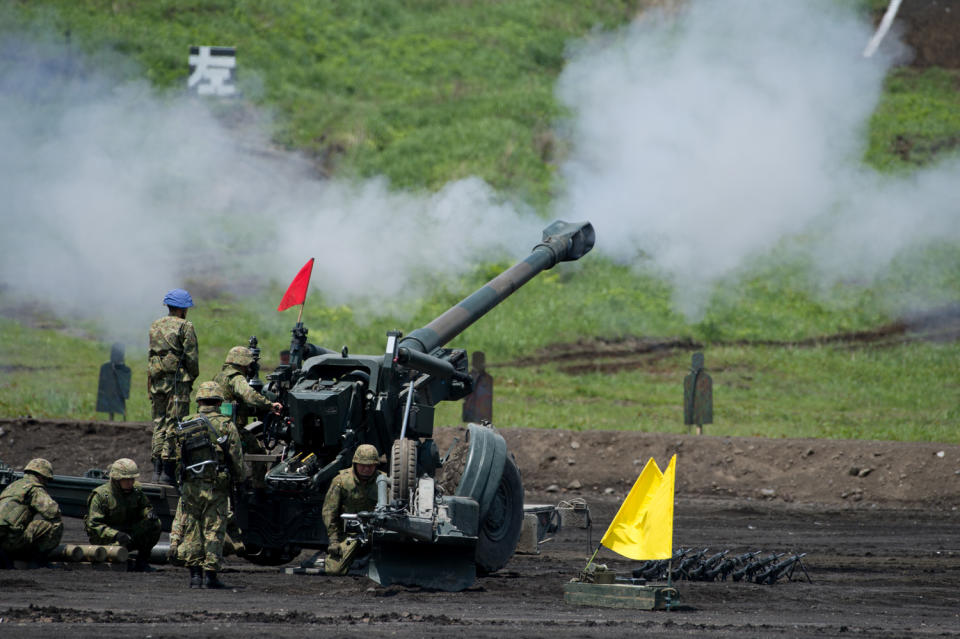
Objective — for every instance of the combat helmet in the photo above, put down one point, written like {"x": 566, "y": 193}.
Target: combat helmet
{"x": 124, "y": 468}
{"x": 366, "y": 454}
{"x": 209, "y": 390}
{"x": 240, "y": 355}
{"x": 40, "y": 467}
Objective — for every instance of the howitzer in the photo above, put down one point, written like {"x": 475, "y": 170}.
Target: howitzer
{"x": 781, "y": 568}
{"x": 748, "y": 571}
{"x": 333, "y": 402}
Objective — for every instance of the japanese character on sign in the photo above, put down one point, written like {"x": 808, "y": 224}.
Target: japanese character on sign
{"x": 211, "y": 70}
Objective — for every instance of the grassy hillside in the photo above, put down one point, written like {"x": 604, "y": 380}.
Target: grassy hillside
{"x": 425, "y": 92}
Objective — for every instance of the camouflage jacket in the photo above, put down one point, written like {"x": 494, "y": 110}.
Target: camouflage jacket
{"x": 347, "y": 494}
{"x": 110, "y": 509}
{"x": 236, "y": 389}
{"x": 174, "y": 356}
{"x": 230, "y": 454}
{"x": 24, "y": 499}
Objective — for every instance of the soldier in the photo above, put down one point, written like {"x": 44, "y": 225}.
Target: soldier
{"x": 210, "y": 459}
{"x": 119, "y": 513}
{"x": 173, "y": 364}
{"x": 353, "y": 490}
{"x": 232, "y": 378}
{"x": 21, "y": 535}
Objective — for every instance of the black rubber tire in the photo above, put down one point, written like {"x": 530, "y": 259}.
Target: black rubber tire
{"x": 403, "y": 468}
{"x": 500, "y": 529}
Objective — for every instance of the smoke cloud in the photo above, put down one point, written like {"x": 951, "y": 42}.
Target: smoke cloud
{"x": 114, "y": 195}
{"x": 698, "y": 140}
{"x": 707, "y": 136}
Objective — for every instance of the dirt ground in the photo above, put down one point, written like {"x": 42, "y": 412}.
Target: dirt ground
{"x": 879, "y": 521}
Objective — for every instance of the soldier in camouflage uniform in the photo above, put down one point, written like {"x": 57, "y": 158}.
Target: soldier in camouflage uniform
{"x": 119, "y": 513}
{"x": 233, "y": 380}
{"x": 173, "y": 364}
{"x": 353, "y": 490}
{"x": 30, "y": 525}
{"x": 204, "y": 494}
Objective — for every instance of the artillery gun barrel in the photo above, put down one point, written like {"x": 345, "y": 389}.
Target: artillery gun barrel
{"x": 562, "y": 242}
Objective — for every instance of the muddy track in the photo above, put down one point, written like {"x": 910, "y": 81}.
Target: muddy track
{"x": 629, "y": 353}
{"x": 875, "y": 573}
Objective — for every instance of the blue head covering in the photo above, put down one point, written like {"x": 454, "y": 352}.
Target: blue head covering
{"x": 178, "y": 298}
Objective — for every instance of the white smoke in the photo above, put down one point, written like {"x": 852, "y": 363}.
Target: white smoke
{"x": 698, "y": 140}
{"x": 113, "y": 195}
{"x": 707, "y": 136}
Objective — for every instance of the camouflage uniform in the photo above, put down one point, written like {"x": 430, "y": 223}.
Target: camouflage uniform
{"x": 204, "y": 499}
{"x": 20, "y": 534}
{"x": 236, "y": 389}
{"x": 348, "y": 493}
{"x": 173, "y": 364}
{"x": 110, "y": 510}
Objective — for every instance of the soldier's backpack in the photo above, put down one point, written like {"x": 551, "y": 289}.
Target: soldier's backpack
{"x": 198, "y": 448}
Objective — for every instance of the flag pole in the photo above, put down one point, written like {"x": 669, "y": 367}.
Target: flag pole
{"x": 304, "y": 302}
{"x": 300, "y": 313}
{"x": 590, "y": 561}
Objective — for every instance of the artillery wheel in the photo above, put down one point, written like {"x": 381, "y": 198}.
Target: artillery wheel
{"x": 500, "y": 529}
{"x": 403, "y": 468}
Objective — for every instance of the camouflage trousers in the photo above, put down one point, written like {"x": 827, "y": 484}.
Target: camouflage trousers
{"x": 168, "y": 410}
{"x": 233, "y": 537}
{"x": 39, "y": 537}
{"x": 204, "y": 512}
{"x": 144, "y": 535}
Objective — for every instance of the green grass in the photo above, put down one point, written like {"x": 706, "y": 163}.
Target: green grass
{"x": 422, "y": 92}
{"x": 425, "y": 92}
{"x": 905, "y": 393}
{"x": 917, "y": 121}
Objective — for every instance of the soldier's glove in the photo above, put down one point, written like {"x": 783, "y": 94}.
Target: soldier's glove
{"x": 172, "y": 556}
{"x": 123, "y": 539}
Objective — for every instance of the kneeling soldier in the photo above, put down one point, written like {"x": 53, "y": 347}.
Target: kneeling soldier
{"x": 353, "y": 490}
{"x": 210, "y": 459}
{"x": 119, "y": 513}
{"x": 22, "y": 536}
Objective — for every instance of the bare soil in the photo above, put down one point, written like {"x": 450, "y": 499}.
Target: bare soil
{"x": 880, "y": 522}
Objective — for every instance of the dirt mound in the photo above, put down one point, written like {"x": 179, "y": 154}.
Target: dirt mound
{"x": 569, "y": 464}
{"x": 931, "y": 29}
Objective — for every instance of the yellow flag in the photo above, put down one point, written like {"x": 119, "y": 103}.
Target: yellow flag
{"x": 643, "y": 527}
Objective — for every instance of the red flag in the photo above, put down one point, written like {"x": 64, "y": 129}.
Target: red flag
{"x": 297, "y": 291}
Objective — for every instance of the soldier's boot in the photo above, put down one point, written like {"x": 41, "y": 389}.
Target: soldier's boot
{"x": 142, "y": 563}
{"x": 196, "y": 577}
{"x": 157, "y": 470}
{"x": 210, "y": 580}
